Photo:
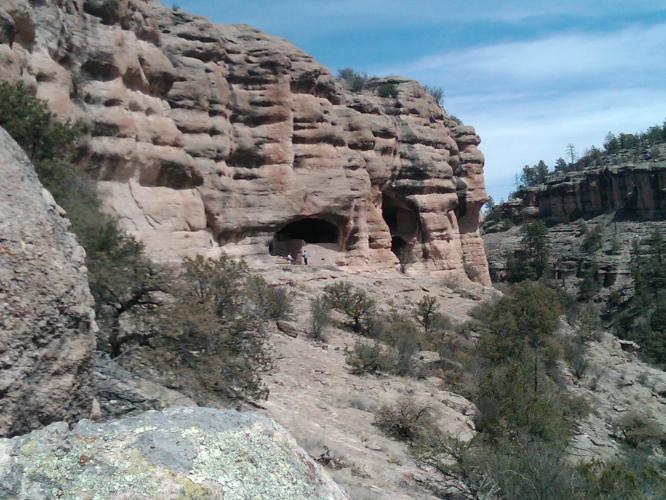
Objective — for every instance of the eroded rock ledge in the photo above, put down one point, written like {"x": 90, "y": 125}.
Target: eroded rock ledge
{"x": 216, "y": 138}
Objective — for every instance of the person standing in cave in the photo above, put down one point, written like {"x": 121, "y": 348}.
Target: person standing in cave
{"x": 305, "y": 257}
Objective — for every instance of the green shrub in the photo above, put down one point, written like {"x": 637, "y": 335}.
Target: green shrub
{"x": 619, "y": 480}
{"x": 592, "y": 240}
{"x": 320, "y": 317}
{"x": 638, "y": 432}
{"x": 354, "y": 80}
{"x": 387, "y": 90}
{"x": 589, "y": 286}
{"x": 615, "y": 245}
{"x": 436, "y": 92}
{"x": 273, "y": 303}
{"x": 355, "y": 303}
{"x": 575, "y": 355}
{"x": 217, "y": 327}
{"x": 456, "y": 120}
{"x": 430, "y": 318}
{"x": 370, "y": 358}
{"x": 525, "y": 316}
{"x": 426, "y": 312}
{"x": 405, "y": 420}
{"x": 589, "y": 325}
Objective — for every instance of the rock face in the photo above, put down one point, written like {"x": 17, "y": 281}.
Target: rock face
{"x": 46, "y": 316}
{"x": 120, "y": 393}
{"x": 614, "y": 383}
{"x": 569, "y": 258}
{"x": 625, "y": 201}
{"x": 222, "y": 138}
{"x": 178, "y": 453}
{"x": 633, "y": 190}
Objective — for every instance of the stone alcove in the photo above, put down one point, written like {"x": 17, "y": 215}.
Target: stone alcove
{"x": 402, "y": 221}
{"x": 291, "y": 238}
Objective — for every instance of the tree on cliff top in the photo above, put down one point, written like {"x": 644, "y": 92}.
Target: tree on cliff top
{"x": 354, "y": 81}
{"x": 534, "y": 175}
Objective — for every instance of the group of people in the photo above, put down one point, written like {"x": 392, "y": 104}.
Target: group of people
{"x": 304, "y": 255}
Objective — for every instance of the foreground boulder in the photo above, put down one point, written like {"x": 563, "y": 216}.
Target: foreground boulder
{"x": 178, "y": 453}
{"x": 46, "y": 309}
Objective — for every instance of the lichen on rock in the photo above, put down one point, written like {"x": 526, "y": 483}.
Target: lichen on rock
{"x": 179, "y": 453}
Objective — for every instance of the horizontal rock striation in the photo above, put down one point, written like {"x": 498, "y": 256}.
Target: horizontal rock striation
{"x": 46, "y": 310}
{"x": 220, "y": 138}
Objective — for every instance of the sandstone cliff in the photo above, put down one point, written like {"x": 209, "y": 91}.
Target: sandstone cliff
{"x": 46, "y": 316}
{"x": 222, "y": 138}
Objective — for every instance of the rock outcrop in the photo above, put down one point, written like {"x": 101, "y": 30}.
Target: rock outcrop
{"x": 632, "y": 190}
{"x": 121, "y": 393}
{"x": 178, "y": 453}
{"x": 222, "y": 138}
{"x": 568, "y": 256}
{"x": 46, "y": 309}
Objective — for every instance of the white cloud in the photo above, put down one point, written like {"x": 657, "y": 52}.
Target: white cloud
{"x": 624, "y": 54}
{"x": 541, "y": 129}
{"x": 331, "y": 16}
{"x": 529, "y": 99}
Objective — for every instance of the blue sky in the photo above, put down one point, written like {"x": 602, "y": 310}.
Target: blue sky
{"x": 530, "y": 76}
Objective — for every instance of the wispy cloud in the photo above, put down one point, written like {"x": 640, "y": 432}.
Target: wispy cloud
{"x": 324, "y": 16}
{"x": 630, "y": 54}
{"x": 528, "y": 99}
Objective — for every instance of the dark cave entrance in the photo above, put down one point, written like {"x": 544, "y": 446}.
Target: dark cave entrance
{"x": 398, "y": 245}
{"x": 310, "y": 231}
{"x": 402, "y": 221}
{"x": 292, "y": 237}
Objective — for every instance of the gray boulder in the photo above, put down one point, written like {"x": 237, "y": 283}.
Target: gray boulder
{"x": 46, "y": 309}
{"x": 177, "y": 453}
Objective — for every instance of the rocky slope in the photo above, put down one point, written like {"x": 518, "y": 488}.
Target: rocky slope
{"x": 327, "y": 408}
{"x": 47, "y": 320}
{"x": 569, "y": 258}
{"x": 222, "y": 138}
{"x": 624, "y": 200}
{"x": 178, "y": 453}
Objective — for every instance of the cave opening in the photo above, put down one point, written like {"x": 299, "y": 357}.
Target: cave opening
{"x": 310, "y": 231}
{"x": 398, "y": 245}
{"x": 291, "y": 238}
{"x": 402, "y": 221}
